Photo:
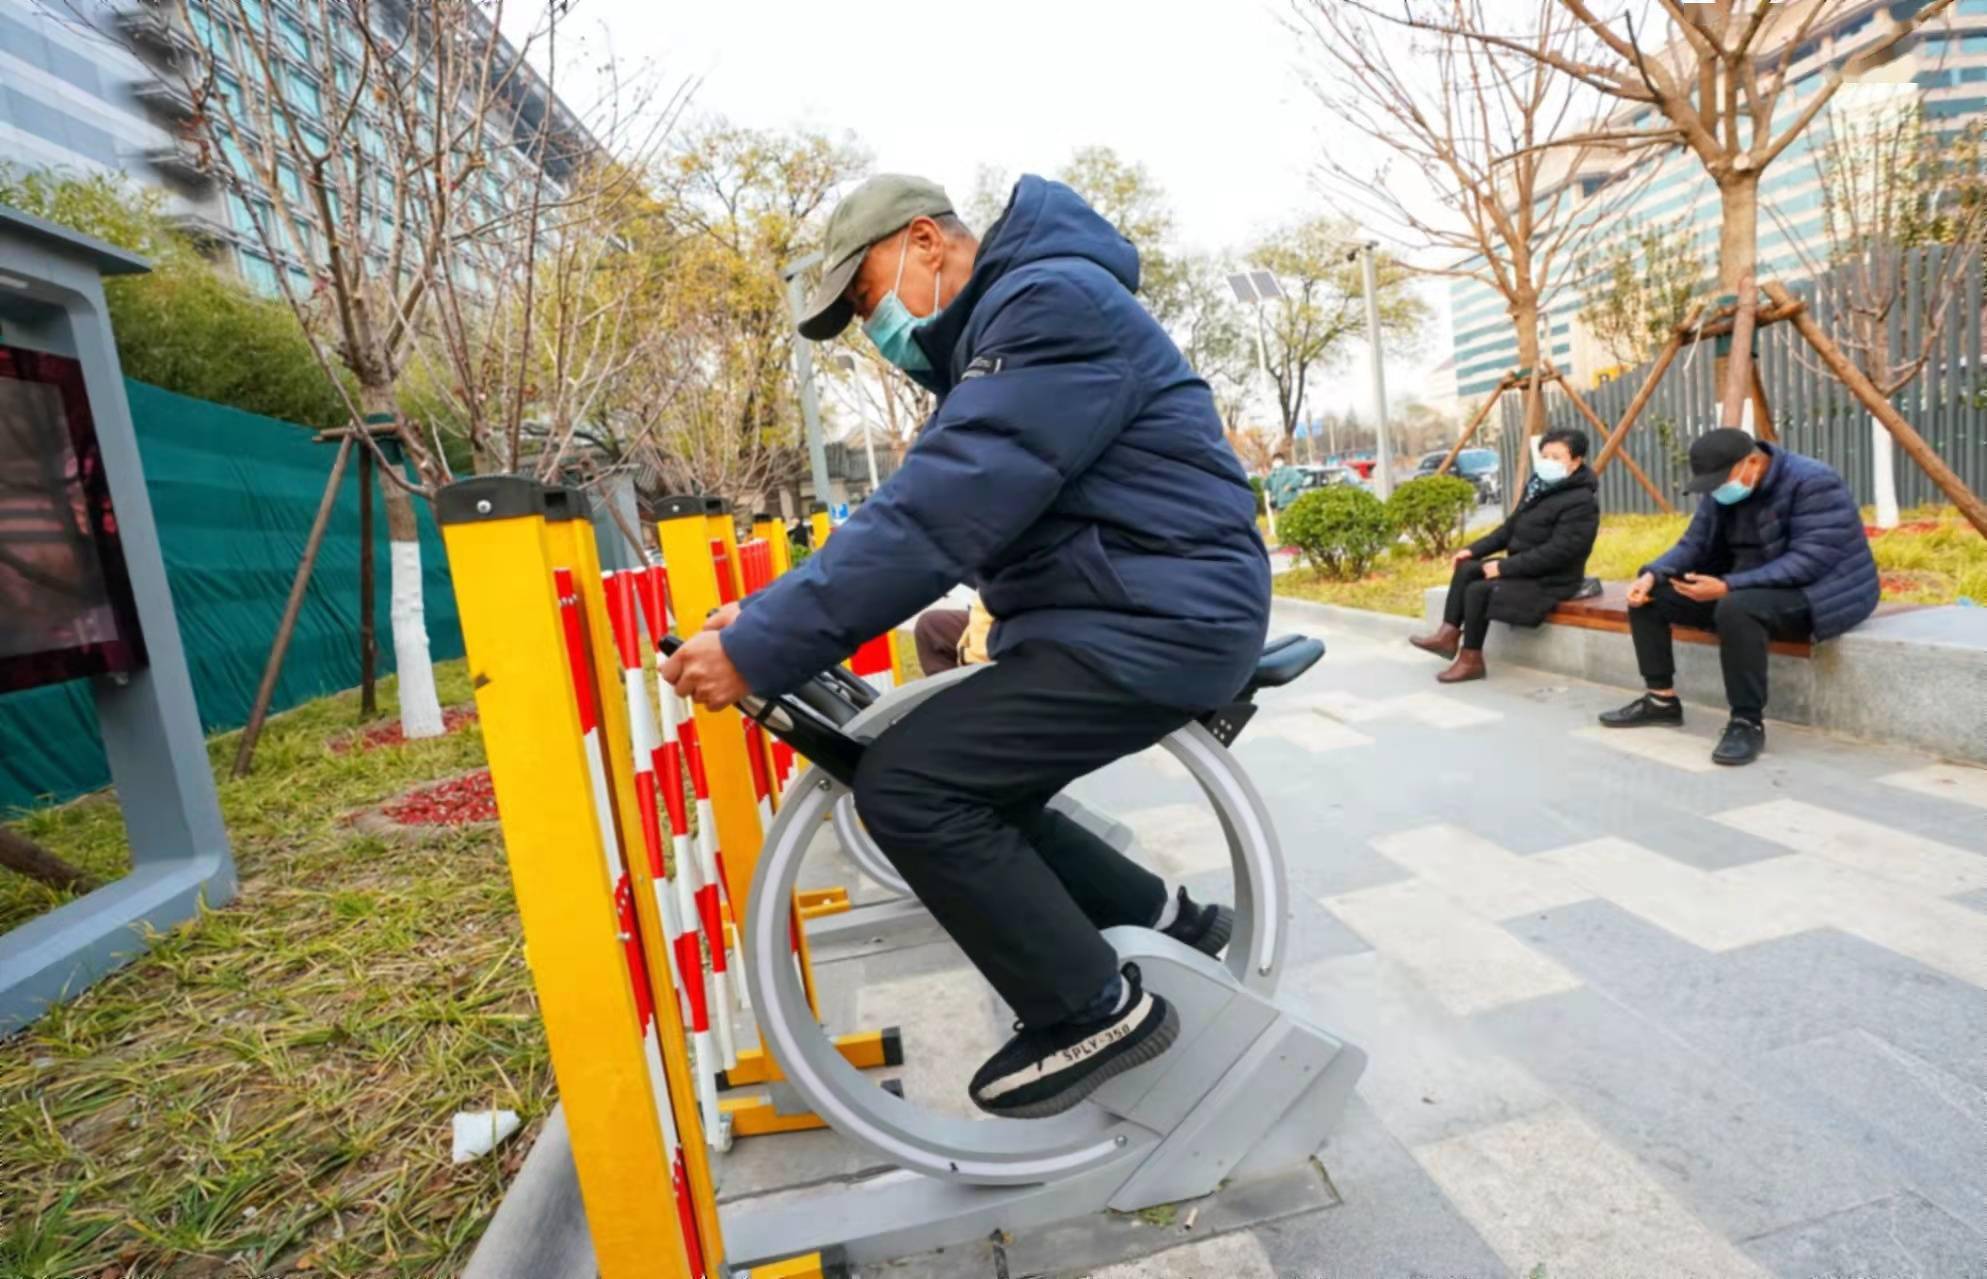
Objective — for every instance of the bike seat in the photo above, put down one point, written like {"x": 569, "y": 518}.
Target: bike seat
{"x": 1284, "y": 659}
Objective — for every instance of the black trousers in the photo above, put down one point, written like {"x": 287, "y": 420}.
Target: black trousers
{"x": 954, "y": 795}
{"x": 1746, "y": 621}
{"x": 1468, "y": 602}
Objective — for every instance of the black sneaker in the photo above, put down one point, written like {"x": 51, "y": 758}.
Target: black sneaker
{"x": 1045, "y": 1072}
{"x": 1646, "y": 709}
{"x": 1741, "y": 744}
{"x": 1205, "y": 928}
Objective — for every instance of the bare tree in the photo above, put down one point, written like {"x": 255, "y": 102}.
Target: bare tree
{"x": 363, "y": 148}
{"x": 549, "y": 312}
{"x": 1485, "y": 193}
{"x": 1711, "y": 74}
{"x": 863, "y": 384}
{"x": 1893, "y": 188}
{"x": 1904, "y": 218}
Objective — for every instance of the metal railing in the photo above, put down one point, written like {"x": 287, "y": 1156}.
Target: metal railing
{"x": 1813, "y": 413}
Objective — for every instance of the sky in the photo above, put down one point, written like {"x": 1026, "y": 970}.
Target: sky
{"x": 1205, "y": 94}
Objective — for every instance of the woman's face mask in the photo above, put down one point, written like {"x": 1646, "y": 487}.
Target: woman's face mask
{"x": 891, "y": 324}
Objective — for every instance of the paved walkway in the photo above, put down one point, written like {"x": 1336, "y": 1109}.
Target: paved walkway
{"x": 1629, "y": 1014}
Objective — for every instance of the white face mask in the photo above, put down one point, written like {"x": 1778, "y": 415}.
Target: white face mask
{"x": 1551, "y": 470}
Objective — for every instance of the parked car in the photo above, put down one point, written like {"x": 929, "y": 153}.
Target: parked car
{"x": 1478, "y": 466}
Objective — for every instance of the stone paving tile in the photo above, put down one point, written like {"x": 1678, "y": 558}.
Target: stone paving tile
{"x": 1874, "y": 848}
{"x": 1548, "y": 1190}
{"x": 1896, "y": 1235}
{"x": 1948, "y": 783}
{"x": 1922, "y": 1126}
{"x": 1296, "y": 731}
{"x": 1431, "y": 1075}
{"x": 1316, "y": 934}
{"x": 1394, "y": 1222}
{"x": 1751, "y": 1001}
{"x": 1465, "y": 961}
{"x": 1477, "y": 874}
{"x": 1742, "y": 1160}
{"x": 1703, "y": 909}
{"x": 1688, "y": 750}
{"x": 1238, "y": 1255}
{"x": 1691, "y": 838}
{"x": 1937, "y": 933}
{"x": 1977, "y": 901}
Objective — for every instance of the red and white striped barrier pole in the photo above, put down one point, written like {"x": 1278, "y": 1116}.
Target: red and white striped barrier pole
{"x": 624, "y": 906}
{"x": 711, "y": 863}
{"x": 872, "y": 663}
{"x": 675, "y": 893}
{"x": 701, "y": 872}
{"x": 762, "y": 782}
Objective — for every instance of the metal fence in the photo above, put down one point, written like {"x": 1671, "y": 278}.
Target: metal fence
{"x": 1814, "y": 413}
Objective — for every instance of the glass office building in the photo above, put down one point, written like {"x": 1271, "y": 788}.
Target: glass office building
{"x": 106, "y": 99}
{"x": 1943, "y": 66}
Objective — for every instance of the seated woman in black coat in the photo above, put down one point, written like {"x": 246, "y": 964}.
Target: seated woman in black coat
{"x": 1546, "y": 543}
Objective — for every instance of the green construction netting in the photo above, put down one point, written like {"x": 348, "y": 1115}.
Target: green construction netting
{"x": 233, "y": 494}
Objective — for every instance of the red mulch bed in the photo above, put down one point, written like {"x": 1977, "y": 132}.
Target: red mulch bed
{"x": 391, "y": 735}
{"x": 460, "y": 801}
{"x": 1915, "y": 526}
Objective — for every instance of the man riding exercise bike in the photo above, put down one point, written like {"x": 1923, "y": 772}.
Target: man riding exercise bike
{"x": 1075, "y": 471}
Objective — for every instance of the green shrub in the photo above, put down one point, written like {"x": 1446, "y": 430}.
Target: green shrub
{"x": 1430, "y": 510}
{"x": 186, "y": 325}
{"x": 1340, "y": 529}
{"x": 1256, "y": 487}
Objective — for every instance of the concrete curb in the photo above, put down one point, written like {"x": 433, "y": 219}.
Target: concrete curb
{"x": 1330, "y": 617}
{"x": 539, "y": 1230}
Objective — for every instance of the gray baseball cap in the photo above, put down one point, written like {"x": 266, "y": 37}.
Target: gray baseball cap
{"x": 882, "y": 206}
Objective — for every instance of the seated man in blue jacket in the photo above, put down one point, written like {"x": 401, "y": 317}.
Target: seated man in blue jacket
{"x": 1074, "y": 471}
{"x": 1776, "y": 551}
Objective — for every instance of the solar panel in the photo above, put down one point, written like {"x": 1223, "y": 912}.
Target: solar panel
{"x": 1266, "y": 284}
{"x": 1244, "y": 291}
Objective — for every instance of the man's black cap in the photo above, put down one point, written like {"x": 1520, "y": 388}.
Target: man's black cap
{"x": 1714, "y": 454}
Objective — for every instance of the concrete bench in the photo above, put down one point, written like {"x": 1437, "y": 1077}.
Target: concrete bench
{"x": 1914, "y": 676}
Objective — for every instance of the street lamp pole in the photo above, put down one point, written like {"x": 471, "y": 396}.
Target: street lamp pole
{"x": 803, "y": 374}
{"x": 1383, "y": 479}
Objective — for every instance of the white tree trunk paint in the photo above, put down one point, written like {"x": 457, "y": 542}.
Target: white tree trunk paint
{"x": 420, "y": 710}
{"x": 1883, "y": 467}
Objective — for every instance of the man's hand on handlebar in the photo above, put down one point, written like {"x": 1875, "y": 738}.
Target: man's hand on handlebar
{"x": 701, "y": 671}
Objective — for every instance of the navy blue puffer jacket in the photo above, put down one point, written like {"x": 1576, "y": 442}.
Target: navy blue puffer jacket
{"x": 1813, "y": 536}
{"x": 1075, "y": 472}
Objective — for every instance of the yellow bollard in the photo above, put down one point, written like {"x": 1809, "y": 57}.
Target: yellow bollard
{"x": 572, "y": 540}
{"x": 684, "y": 531}
{"x": 496, "y": 534}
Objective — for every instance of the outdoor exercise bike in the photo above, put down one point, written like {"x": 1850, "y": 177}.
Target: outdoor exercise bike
{"x": 1250, "y": 1088}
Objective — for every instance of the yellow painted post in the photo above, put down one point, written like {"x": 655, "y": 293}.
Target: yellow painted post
{"x": 818, "y": 524}
{"x": 571, "y": 544}
{"x": 772, "y": 531}
{"x": 495, "y": 532}
{"x": 685, "y": 537}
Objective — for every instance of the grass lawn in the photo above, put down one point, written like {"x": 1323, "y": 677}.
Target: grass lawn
{"x": 1935, "y": 557}
{"x": 269, "y": 1089}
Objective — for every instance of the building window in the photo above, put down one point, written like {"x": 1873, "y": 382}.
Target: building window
{"x": 260, "y": 273}
{"x": 1905, "y": 10}
{"x": 302, "y": 92}
{"x": 294, "y": 38}
{"x": 1856, "y": 25}
{"x": 239, "y": 216}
